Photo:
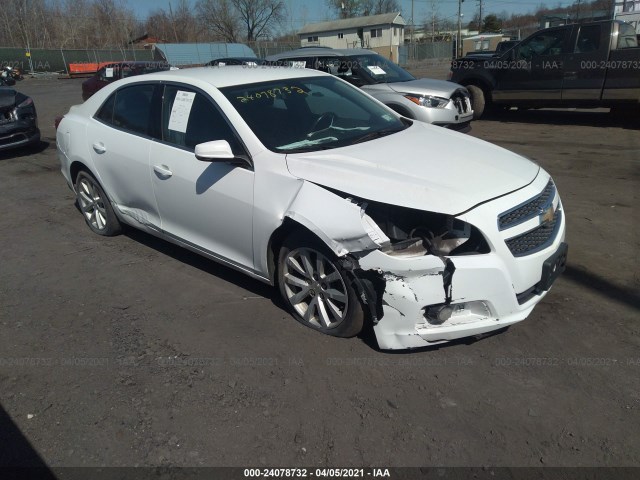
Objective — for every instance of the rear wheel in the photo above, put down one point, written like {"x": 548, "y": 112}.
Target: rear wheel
{"x": 624, "y": 112}
{"x": 478, "y": 100}
{"x": 95, "y": 206}
{"x": 318, "y": 291}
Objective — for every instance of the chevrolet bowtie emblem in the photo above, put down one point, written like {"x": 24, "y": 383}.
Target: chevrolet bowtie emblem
{"x": 547, "y": 215}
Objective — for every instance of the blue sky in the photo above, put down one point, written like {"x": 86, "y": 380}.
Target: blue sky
{"x": 311, "y": 11}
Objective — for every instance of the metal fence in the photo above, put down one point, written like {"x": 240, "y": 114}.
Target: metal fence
{"x": 425, "y": 51}
{"x": 264, "y": 49}
{"x": 58, "y": 60}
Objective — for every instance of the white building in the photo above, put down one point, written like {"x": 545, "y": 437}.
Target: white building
{"x": 627, "y": 6}
{"x": 382, "y": 33}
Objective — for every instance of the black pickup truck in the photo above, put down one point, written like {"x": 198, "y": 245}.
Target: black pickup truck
{"x": 587, "y": 65}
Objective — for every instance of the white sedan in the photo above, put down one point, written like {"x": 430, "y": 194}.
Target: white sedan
{"x": 303, "y": 181}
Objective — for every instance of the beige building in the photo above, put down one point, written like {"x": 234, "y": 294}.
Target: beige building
{"x": 382, "y": 33}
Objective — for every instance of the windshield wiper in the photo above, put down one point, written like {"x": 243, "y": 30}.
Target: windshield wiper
{"x": 306, "y": 145}
{"x": 376, "y": 134}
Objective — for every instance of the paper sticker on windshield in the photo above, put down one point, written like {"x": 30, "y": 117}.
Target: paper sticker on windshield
{"x": 108, "y": 72}
{"x": 299, "y": 64}
{"x": 180, "y": 111}
{"x": 376, "y": 70}
{"x": 221, "y": 64}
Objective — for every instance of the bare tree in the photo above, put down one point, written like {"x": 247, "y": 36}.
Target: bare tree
{"x": 71, "y": 23}
{"x": 8, "y": 32}
{"x": 220, "y": 18}
{"x": 182, "y": 22}
{"x": 159, "y": 25}
{"x": 346, "y": 8}
{"x": 25, "y": 21}
{"x": 376, "y": 7}
{"x": 259, "y": 16}
{"x": 113, "y": 24}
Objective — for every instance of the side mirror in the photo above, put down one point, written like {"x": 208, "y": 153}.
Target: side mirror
{"x": 218, "y": 151}
{"x": 214, "y": 150}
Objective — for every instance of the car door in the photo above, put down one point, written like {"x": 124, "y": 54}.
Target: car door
{"x": 208, "y": 205}
{"x": 585, "y": 68}
{"x": 533, "y": 70}
{"x": 119, "y": 140}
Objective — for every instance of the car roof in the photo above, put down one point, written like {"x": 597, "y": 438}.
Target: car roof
{"x": 322, "y": 52}
{"x": 227, "y": 76}
{"x": 140, "y": 62}
{"x": 242, "y": 59}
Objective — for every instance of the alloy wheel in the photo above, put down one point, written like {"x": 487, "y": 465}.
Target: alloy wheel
{"x": 92, "y": 204}
{"x": 315, "y": 288}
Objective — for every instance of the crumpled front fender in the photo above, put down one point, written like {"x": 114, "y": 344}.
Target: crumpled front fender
{"x": 338, "y": 222}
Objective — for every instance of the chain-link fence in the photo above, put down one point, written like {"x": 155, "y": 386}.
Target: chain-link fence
{"x": 50, "y": 60}
{"x": 425, "y": 51}
{"x": 58, "y": 60}
{"x": 264, "y": 49}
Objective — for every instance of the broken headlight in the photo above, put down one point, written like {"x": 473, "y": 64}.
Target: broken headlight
{"x": 416, "y": 232}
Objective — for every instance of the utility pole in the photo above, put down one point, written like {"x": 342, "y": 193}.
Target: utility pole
{"x": 411, "y": 22}
{"x": 173, "y": 23}
{"x": 480, "y": 17}
{"x": 459, "y": 40}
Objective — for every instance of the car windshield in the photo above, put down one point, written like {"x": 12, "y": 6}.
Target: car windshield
{"x": 309, "y": 114}
{"x": 377, "y": 69}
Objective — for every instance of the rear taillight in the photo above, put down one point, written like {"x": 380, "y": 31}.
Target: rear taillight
{"x": 58, "y": 120}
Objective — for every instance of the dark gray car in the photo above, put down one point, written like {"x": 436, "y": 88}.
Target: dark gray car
{"x": 18, "y": 119}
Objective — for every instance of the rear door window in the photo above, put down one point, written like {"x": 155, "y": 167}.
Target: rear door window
{"x": 133, "y": 109}
{"x": 105, "y": 114}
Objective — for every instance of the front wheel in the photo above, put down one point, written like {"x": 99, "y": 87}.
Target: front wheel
{"x": 95, "y": 206}
{"x": 318, "y": 291}
{"x": 478, "y": 101}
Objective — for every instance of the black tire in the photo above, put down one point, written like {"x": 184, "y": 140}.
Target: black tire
{"x": 95, "y": 206}
{"x": 478, "y": 101}
{"x": 624, "y": 112}
{"x": 329, "y": 314}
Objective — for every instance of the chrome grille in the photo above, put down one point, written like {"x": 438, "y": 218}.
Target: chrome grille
{"x": 461, "y": 103}
{"x": 528, "y": 210}
{"x": 537, "y": 239}
{"x": 7, "y": 115}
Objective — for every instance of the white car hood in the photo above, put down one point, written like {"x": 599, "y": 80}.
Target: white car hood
{"x": 423, "y": 167}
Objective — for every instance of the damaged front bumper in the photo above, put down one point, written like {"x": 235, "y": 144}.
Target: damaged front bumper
{"x": 482, "y": 299}
{"x": 423, "y": 300}
{"x": 19, "y": 133}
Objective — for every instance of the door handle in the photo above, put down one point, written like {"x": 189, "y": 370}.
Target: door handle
{"x": 99, "y": 147}
{"x": 162, "y": 171}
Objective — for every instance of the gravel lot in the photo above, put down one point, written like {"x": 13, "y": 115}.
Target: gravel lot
{"x": 130, "y": 351}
